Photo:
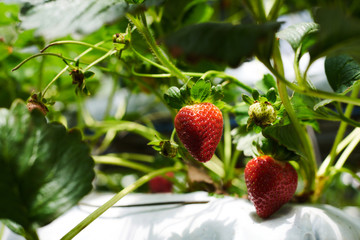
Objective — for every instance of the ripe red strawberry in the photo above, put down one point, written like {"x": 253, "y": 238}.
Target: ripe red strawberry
{"x": 270, "y": 184}
{"x": 200, "y": 128}
{"x": 160, "y": 184}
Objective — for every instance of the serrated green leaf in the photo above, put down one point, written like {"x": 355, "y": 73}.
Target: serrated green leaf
{"x": 341, "y": 72}
{"x": 50, "y": 171}
{"x": 271, "y": 95}
{"x": 295, "y": 34}
{"x": 208, "y": 41}
{"x": 173, "y": 98}
{"x": 247, "y": 99}
{"x": 338, "y": 34}
{"x": 197, "y": 12}
{"x": 200, "y": 90}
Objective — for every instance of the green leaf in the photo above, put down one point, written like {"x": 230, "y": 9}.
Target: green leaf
{"x": 271, "y": 95}
{"x": 173, "y": 98}
{"x": 50, "y": 171}
{"x": 217, "y": 93}
{"x": 201, "y": 90}
{"x": 221, "y": 42}
{"x": 266, "y": 83}
{"x": 341, "y": 72}
{"x": 88, "y": 74}
{"x": 338, "y": 34}
{"x": 197, "y": 12}
{"x": 295, "y": 34}
{"x": 247, "y": 99}
{"x": 255, "y": 94}
{"x": 77, "y": 16}
{"x": 286, "y": 136}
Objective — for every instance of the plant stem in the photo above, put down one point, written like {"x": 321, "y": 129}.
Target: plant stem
{"x": 348, "y": 150}
{"x": 65, "y": 68}
{"x": 159, "y": 53}
{"x": 312, "y": 92}
{"x": 148, "y": 60}
{"x": 325, "y": 166}
{"x": 227, "y": 146}
{"x": 2, "y": 230}
{"x": 109, "y": 53}
{"x": 118, "y": 161}
{"x": 309, "y": 162}
{"x": 94, "y": 215}
{"x": 96, "y": 46}
{"x": 39, "y": 55}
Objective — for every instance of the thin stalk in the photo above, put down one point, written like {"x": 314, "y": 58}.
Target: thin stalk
{"x": 94, "y": 215}
{"x": 348, "y": 150}
{"x": 2, "y": 230}
{"x": 298, "y": 77}
{"x": 324, "y": 168}
{"x": 312, "y": 92}
{"x": 227, "y": 146}
{"x": 65, "y": 68}
{"x": 40, "y": 55}
{"x": 309, "y": 163}
{"x": 110, "y": 99}
{"x": 234, "y": 159}
{"x": 118, "y": 161}
{"x": 96, "y": 46}
{"x": 109, "y": 53}
{"x": 340, "y": 147}
{"x": 149, "y": 61}
{"x": 159, "y": 53}
{"x": 224, "y": 75}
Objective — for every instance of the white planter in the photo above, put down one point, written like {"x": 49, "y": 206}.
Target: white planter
{"x": 221, "y": 218}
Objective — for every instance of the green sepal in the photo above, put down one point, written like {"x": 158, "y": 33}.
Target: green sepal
{"x": 279, "y": 152}
{"x": 248, "y": 100}
{"x": 255, "y": 94}
{"x": 201, "y": 90}
{"x": 271, "y": 95}
{"x": 173, "y": 98}
{"x": 88, "y": 74}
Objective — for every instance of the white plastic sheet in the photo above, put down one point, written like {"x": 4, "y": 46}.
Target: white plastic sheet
{"x": 220, "y": 219}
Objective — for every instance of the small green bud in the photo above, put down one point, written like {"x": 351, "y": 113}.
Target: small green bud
{"x": 168, "y": 148}
{"x": 262, "y": 113}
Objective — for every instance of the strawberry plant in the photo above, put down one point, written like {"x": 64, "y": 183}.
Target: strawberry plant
{"x": 160, "y": 72}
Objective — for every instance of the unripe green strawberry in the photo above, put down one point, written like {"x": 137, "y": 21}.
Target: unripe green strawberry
{"x": 270, "y": 184}
{"x": 199, "y": 127}
{"x": 262, "y": 113}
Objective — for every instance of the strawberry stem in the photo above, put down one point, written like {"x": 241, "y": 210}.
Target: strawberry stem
{"x": 308, "y": 163}
{"x": 159, "y": 53}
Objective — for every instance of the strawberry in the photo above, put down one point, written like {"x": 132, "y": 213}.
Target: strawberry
{"x": 270, "y": 184}
{"x": 160, "y": 184}
{"x": 199, "y": 127}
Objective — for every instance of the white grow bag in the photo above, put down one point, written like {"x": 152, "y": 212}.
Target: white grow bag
{"x": 220, "y": 219}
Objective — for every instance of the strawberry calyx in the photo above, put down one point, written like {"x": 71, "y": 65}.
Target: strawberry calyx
{"x": 275, "y": 150}
{"x": 201, "y": 91}
{"x": 262, "y": 108}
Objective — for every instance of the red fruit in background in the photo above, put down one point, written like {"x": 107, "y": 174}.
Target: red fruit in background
{"x": 270, "y": 184}
{"x": 200, "y": 128}
{"x": 160, "y": 184}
